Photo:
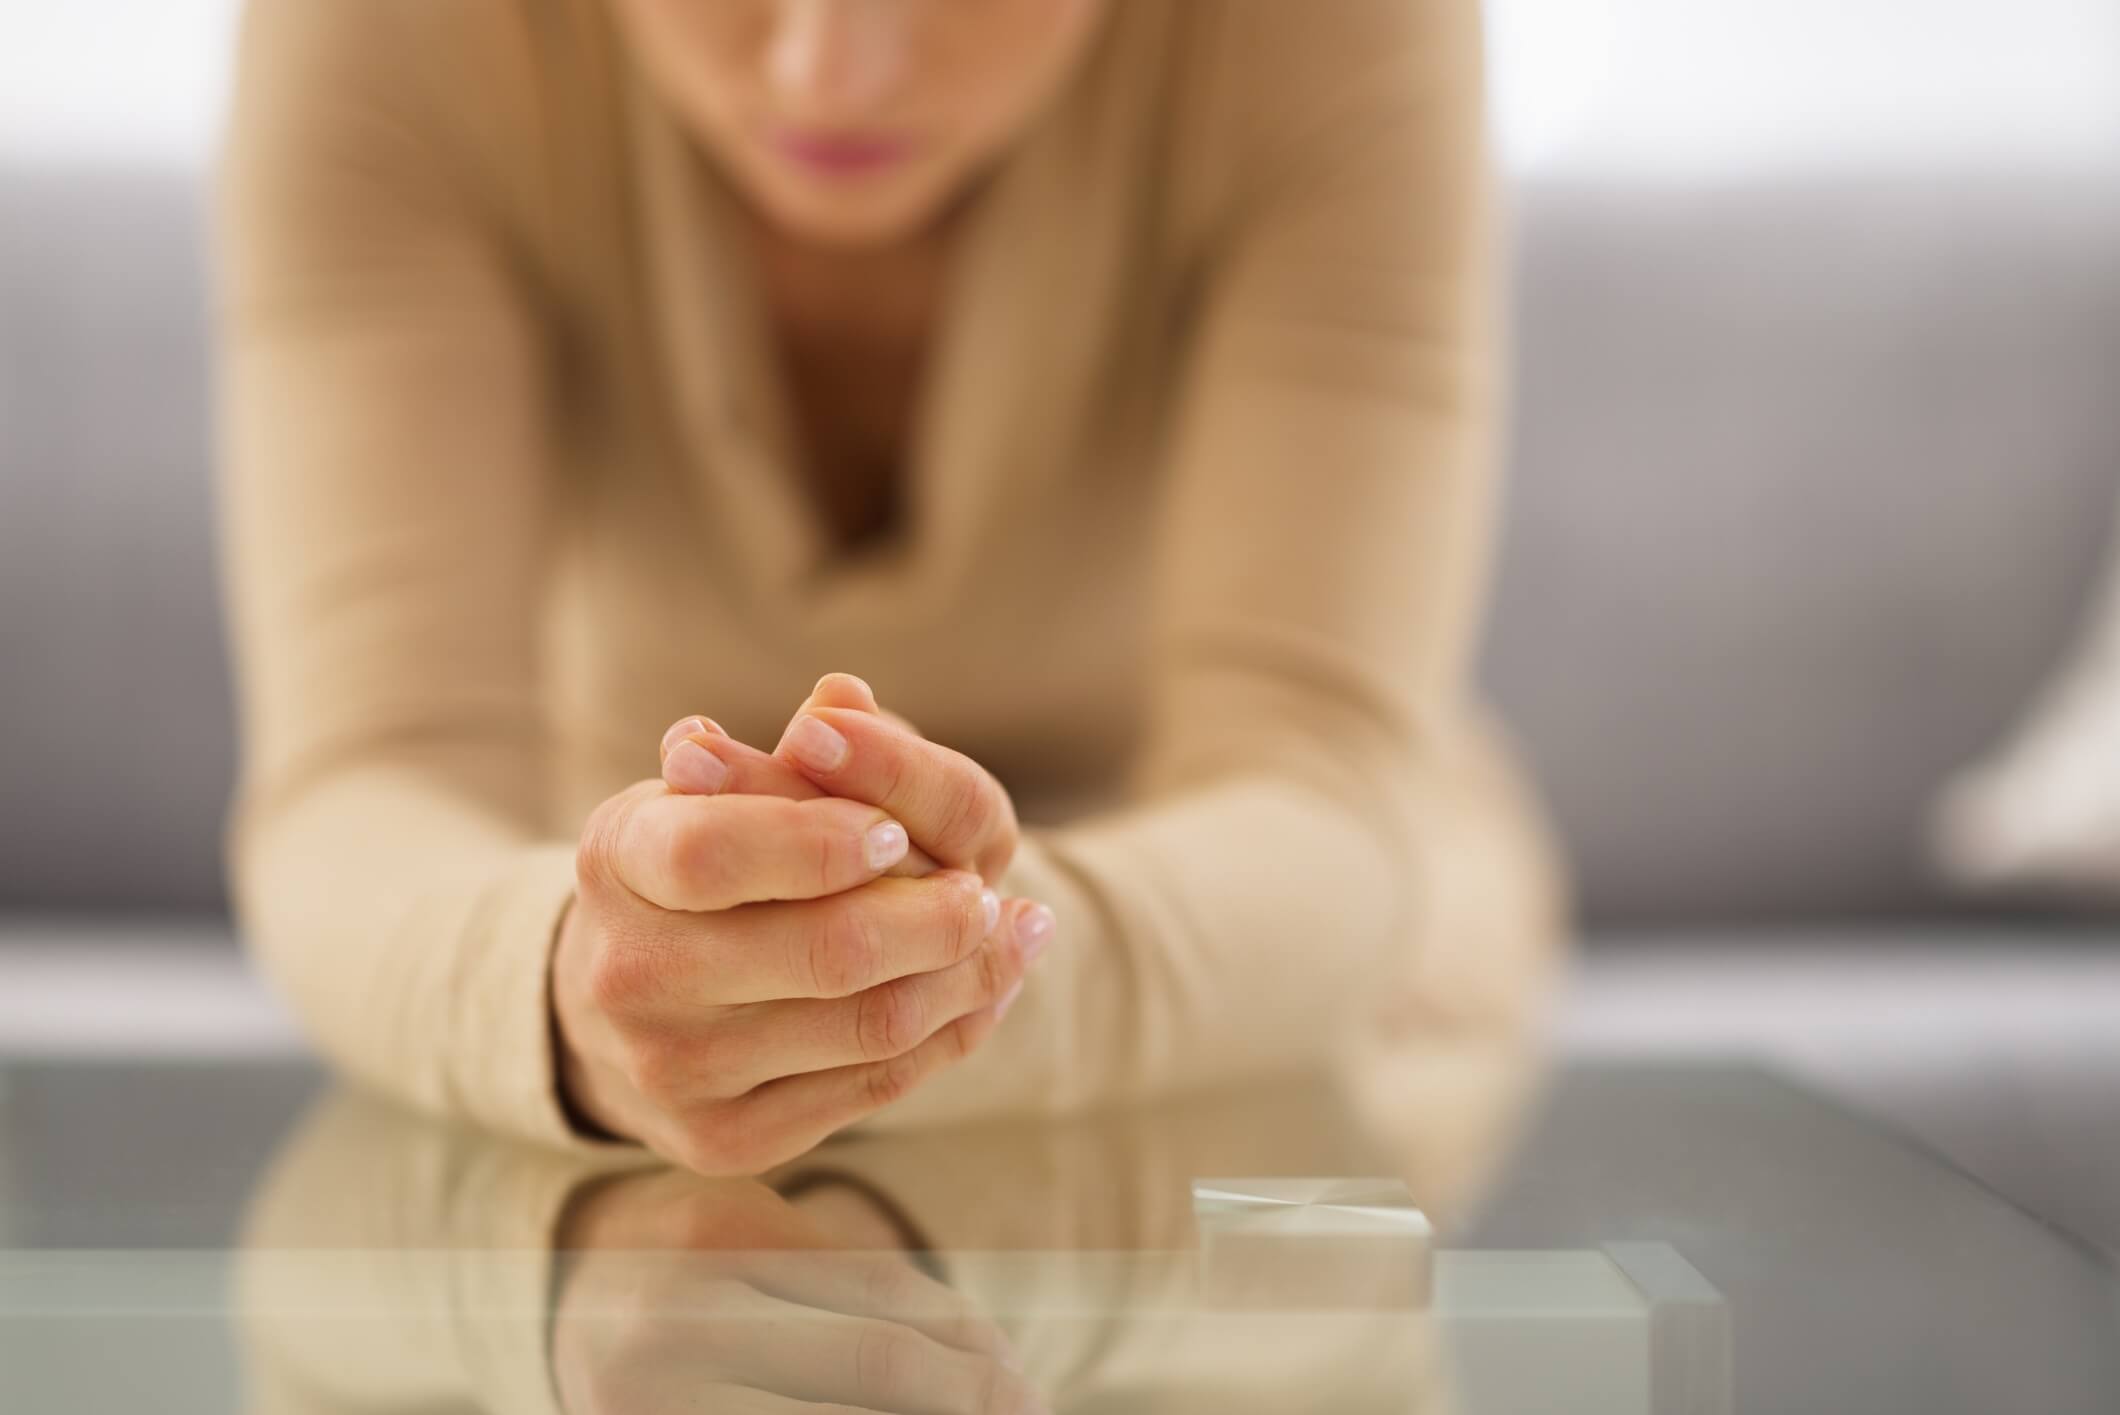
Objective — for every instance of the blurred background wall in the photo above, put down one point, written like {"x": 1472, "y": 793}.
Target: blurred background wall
{"x": 1814, "y": 448}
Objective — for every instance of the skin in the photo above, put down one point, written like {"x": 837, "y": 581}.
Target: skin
{"x": 853, "y": 263}
{"x": 765, "y": 948}
{"x": 953, "y": 84}
{"x": 744, "y": 972}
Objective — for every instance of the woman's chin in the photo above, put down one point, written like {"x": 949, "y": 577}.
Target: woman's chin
{"x": 849, "y": 213}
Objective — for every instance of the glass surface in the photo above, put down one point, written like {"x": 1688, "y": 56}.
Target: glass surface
{"x": 1618, "y": 1239}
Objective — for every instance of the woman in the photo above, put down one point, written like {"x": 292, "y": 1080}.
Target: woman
{"x": 1109, "y": 383}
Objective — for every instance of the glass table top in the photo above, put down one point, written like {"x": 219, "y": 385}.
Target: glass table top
{"x": 1603, "y": 1238}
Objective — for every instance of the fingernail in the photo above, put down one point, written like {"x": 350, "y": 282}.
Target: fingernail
{"x": 1008, "y": 1000}
{"x": 694, "y": 770}
{"x": 1035, "y": 927}
{"x": 886, "y": 844}
{"x": 991, "y": 902}
{"x": 816, "y": 745}
{"x": 690, "y": 727}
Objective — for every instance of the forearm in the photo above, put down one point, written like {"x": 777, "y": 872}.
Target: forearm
{"x": 1253, "y": 923}
{"x": 410, "y": 923}
{"x": 1204, "y": 937}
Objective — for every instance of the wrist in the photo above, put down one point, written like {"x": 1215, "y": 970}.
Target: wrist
{"x": 572, "y": 1077}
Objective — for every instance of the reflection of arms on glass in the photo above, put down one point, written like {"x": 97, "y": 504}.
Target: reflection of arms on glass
{"x": 392, "y": 1262}
{"x": 397, "y": 1264}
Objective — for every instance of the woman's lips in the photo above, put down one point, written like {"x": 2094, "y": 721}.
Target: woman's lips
{"x": 840, "y": 155}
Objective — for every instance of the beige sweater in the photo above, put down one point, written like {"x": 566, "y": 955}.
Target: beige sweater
{"x": 1198, "y": 516}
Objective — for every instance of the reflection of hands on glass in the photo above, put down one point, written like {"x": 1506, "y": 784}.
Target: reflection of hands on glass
{"x": 749, "y": 966}
{"x": 682, "y": 1294}
{"x": 396, "y": 1264}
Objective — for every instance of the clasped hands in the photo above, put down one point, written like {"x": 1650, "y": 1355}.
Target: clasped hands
{"x": 767, "y": 947}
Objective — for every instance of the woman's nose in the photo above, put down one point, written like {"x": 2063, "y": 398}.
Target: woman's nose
{"x": 837, "y": 59}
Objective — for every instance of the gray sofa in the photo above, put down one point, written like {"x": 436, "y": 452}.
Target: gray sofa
{"x": 1808, "y": 481}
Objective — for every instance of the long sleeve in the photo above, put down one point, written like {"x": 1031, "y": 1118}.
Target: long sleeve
{"x": 1320, "y": 817}
{"x": 386, "y": 497}
{"x": 458, "y": 327}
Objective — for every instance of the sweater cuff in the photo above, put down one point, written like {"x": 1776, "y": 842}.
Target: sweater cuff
{"x": 504, "y": 1055}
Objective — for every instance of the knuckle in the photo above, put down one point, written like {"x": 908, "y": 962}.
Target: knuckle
{"x": 960, "y": 916}
{"x": 829, "y": 854}
{"x": 997, "y": 973}
{"x": 712, "y": 1064}
{"x": 890, "y": 771}
{"x": 964, "y": 813}
{"x": 619, "y": 978}
{"x": 821, "y": 840}
{"x": 845, "y": 953}
{"x": 692, "y": 851}
{"x": 887, "y": 1021}
{"x": 888, "y": 1082}
{"x": 959, "y": 1038}
{"x": 596, "y": 855}
{"x": 653, "y": 1067}
{"x": 1001, "y": 839}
